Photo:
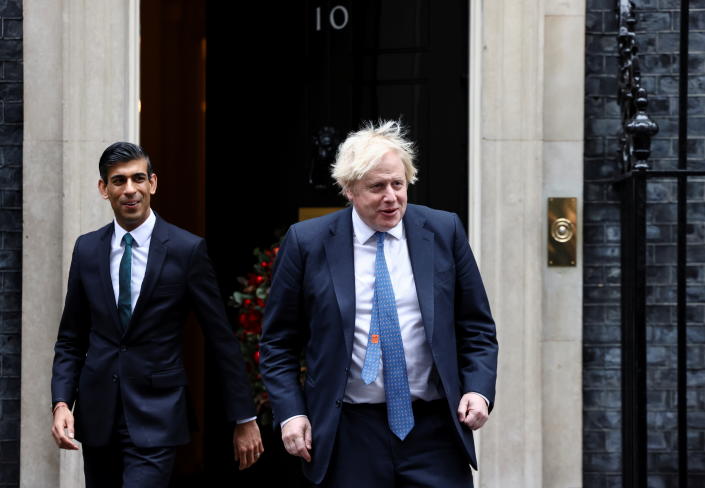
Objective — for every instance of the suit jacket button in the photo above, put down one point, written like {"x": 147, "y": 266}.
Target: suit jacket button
{"x": 123, "y": 349}
{"x": 115, "y": 378}
{"x": 338, "y": 403}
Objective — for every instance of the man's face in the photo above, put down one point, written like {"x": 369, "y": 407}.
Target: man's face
{"x": 380, "y": 196}
{"x": 129, "y": 190}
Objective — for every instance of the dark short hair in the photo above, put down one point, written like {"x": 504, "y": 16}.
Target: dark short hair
{"x": 121, "y": 152}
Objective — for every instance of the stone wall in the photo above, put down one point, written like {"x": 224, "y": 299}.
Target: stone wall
{"x": 10, "y": 236}
{"x": 658, "y": 35}
{"x": 81, "y": 92}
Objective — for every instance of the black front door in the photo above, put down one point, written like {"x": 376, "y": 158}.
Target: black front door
{"x": 286, "y": 82}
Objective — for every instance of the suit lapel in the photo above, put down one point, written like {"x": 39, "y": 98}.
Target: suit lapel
{"x": 420, "y": 243}
{"x": 339, "y": 254}
{"x": 155, "y": 260}
{"x": 106, "y": 281}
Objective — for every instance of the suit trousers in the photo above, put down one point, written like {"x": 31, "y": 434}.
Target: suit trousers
{"x": 122, "y": 464}
{"x": 368, "y": 454}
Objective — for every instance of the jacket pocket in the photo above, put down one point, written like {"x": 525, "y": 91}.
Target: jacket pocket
{"x": 169, "y": 379}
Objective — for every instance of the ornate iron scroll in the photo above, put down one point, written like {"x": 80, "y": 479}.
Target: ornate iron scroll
{"x": 637, "y": 126}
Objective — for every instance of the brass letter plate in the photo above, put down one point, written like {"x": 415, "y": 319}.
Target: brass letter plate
{"x": 562, "y": 231}
{"x": 306, "y": 213}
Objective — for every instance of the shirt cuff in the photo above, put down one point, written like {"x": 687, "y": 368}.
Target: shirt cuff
{"x": 244, "y": 421}
{"x": 284, "y": 422}
{"x": 483, "y": 397}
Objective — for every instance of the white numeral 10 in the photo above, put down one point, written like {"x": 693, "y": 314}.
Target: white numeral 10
{"x": 337, "y": 22}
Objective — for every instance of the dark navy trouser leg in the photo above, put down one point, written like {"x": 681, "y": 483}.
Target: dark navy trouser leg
{"x": 122, "y": 464}
{"x": 368, "y": 454}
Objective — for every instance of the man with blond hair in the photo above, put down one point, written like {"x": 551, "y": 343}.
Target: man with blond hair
{"x": 387, "y": 302}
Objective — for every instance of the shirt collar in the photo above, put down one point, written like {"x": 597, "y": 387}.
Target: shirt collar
{"x": 364, "y": 232}
{"x": 140, "y": 234}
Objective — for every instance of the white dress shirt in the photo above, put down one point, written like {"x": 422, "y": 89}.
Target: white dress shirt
{"x": 423, "y": 381}
{"x": 142, "y": 237}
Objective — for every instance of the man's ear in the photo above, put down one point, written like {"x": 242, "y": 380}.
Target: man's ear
{"x": 103, "y": 189}
{"x": 153, "y": 184}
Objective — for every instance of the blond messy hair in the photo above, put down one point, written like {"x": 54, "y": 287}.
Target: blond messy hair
{"x": 363, "y": 150}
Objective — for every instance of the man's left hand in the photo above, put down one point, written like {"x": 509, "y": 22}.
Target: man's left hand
{"x": 472, "y": 410}
{"x": 247, "y": 443}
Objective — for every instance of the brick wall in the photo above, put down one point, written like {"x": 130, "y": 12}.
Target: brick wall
{"x": 10, "y": 236}
{"x": 601, "y": 312}
{"x": 658, "y": 35}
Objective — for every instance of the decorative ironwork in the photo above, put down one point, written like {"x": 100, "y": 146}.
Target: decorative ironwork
{"x": 637, "y": 126}
{"x": 636, "y": 133}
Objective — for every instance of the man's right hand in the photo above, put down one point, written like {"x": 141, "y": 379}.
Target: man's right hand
{"x": 296, "y": 435}
{"x": 62, "y": 430}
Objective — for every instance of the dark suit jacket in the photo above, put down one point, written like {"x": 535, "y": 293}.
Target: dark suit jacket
{"x": 96, "y": 364}
{"x": 312, "y": 305}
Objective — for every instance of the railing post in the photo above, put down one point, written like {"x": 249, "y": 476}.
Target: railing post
{"x": 633, "y": 191}
{"x": 637, "y": 131}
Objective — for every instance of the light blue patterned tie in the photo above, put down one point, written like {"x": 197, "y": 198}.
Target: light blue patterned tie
{"x": 385, "y": 340}
{"x": 125, "y": 293}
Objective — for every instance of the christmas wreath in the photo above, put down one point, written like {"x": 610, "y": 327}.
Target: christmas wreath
{"x": 250, "y": 301}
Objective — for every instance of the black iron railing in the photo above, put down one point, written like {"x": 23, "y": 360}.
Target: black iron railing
{"x": 635, "y": 149}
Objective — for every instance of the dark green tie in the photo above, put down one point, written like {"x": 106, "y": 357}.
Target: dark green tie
{"x": 125, "y": 295}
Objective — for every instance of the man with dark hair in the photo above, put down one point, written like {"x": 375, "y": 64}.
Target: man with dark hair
{"x": 118, "y": 365}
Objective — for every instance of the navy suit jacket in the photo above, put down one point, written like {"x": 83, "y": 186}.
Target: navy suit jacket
{"x": 97, "y": 364}
{"x": 311, "y": 307}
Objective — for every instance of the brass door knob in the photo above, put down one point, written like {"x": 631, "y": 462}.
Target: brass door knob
{"x": 562, "y": 230}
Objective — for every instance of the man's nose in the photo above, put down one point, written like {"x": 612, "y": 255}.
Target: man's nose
{"x": 129, "y": 186}
{"x": 389, "y": 193}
